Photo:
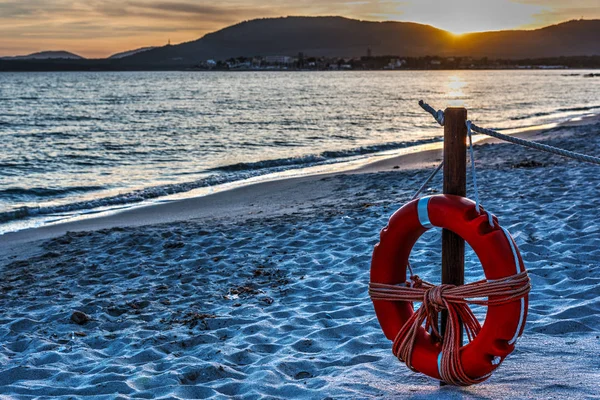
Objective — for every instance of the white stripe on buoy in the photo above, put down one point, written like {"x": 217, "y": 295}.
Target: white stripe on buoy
{"x": 518, "y": 270}
{"x": 422, "y": 209}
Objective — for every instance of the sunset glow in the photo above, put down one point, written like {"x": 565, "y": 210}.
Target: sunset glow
{"x": 100, "y": 28}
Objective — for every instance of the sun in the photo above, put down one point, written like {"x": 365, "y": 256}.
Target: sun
{"x": 464, "y": 16}
{"x": 457, "y": 33}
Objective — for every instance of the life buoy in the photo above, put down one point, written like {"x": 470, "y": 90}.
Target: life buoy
{"x": 499, "y": 256}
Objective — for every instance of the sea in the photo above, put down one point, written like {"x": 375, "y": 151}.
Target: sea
{"x": 81, "y": 144}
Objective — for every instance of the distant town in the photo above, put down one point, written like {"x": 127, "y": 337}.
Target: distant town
{"x": 370, "y": 62}
{"x": 300, "y": 62}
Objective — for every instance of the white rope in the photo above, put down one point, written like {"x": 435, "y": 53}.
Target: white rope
{"x": 433, "y": 174}
{"x": 437, "y": 115}
{"x": 537, "y": 146}
{"x": 474, "y": 175}
{"x": 516, "y": 140}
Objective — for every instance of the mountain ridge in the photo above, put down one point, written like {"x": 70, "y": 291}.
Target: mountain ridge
{"x": 128, "y": 53}
{"x": 47, "y": 55}
{"x": 334, "y": 36}
{"x": 345, "y": 37}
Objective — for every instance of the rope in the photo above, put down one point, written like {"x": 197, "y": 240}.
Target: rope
{"x": 474, "y": 176}
{"x": 455, "y": 299}
{"x": 537, "y": 146}
{"x": 424, "y": 185}
{"x": 437, "y": 115}
{"x": 515, "y": 140}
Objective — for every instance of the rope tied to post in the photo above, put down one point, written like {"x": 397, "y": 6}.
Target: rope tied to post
{"x": 439, "y": 117}
{"x": 456, "y": 300}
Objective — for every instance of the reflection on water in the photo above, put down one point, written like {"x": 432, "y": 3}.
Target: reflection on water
{"x": 456, "y": 84}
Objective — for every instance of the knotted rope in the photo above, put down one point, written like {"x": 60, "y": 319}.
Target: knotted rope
{"x": 438, "y": 115}
{"x": 456, "y": 300}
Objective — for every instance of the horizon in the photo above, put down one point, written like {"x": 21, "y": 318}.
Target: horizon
{"x": 101, "y": 30}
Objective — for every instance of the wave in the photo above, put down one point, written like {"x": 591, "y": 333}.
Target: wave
{"x": 20, "y": 192}
{"x": 586, "y": 108}
{"x": 324, "y": 157}
{"x": 74, "y": 118}
{"x": 545, "y": 113}
{"x": 221, "y": 175}
{"x": 136, "y": 196}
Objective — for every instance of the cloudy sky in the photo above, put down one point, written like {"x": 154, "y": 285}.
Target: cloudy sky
{"x": 98, "y": 28}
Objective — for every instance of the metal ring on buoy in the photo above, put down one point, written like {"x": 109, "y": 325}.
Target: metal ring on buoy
{"x": 499, "y": 256}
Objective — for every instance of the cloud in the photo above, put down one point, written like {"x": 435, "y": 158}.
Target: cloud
{"x": 188, "y": 8}
{"x": 554, "y": 11}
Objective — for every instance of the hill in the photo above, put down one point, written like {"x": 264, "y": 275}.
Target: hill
{"x": 47, "y": 55}
{"x": 129, "y": 53}
{"x": 343, "y": 37}
{"x": 572, "y": 38}
{"x": 314, "y": 36}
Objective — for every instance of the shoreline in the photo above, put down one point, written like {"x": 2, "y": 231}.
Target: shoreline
{"x": 271, "y": 197}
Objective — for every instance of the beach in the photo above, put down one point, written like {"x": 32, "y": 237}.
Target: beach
{"x": 261, "y": 291}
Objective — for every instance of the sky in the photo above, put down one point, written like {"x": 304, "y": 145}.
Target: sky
{"x": 99, "y": 28}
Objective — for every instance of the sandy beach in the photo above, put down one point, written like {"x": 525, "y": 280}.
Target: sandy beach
{"x": 261, "y": 291}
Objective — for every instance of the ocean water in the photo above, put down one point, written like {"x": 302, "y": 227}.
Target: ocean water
{"x": 77, "y": 143}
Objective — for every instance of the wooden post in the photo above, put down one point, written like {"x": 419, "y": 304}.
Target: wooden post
{"x": 455, "y": 182}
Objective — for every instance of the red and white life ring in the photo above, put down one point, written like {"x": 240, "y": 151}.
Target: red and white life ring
{"x": 499, "y": 257}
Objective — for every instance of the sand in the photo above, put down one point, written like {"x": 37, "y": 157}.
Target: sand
{"x": 262, "y": 291}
